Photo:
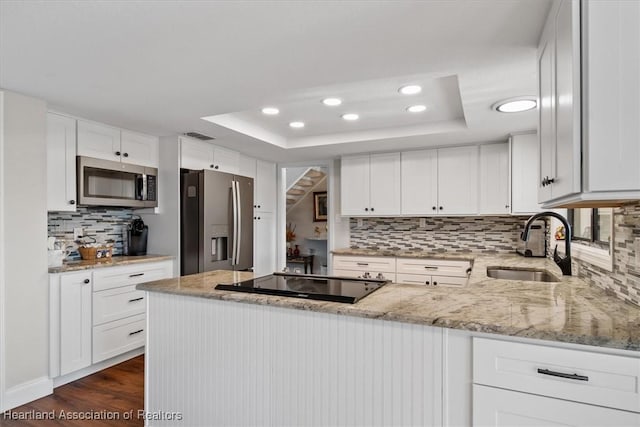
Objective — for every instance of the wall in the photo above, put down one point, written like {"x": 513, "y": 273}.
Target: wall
{"x": 302, "y": 216}
{"x": 105, "y": 224}
{"x": 624, "y": 281}
{"x": 496, "y": 234}
{"x": 23, "y": 233}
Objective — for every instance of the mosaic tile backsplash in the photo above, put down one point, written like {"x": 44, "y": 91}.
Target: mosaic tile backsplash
{"x": 106, "y": 225}
{"x": 624, "y": 281}
{"x": 492, "y": 234}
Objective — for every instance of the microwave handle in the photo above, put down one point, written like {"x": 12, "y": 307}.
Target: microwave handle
{"x": 143, "y": 190}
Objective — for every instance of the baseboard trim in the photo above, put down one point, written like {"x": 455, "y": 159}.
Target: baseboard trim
{"x": 27, "y": 392}
{"x": 76, "y": 375}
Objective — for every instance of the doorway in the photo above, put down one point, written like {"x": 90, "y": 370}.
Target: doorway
{"x": 306, "y": 220}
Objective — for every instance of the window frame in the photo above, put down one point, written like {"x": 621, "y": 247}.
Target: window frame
{"x": 595, "y": 228}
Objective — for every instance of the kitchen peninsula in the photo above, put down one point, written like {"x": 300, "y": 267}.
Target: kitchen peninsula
{"x": 401, "y": 356}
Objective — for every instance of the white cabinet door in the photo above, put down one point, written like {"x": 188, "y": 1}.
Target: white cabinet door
{"x": 419, "y": 182}
{"x": 75, "y": 321}
{"x": 546, "y": 122}
{"x": 226, "y": 160}
{"x": 264, "y": 246}
{"x": 265, "y": 187}
{"x": 247, "y": 166}
{"x": 61, "y": 163}
{"x": 195, "y": 155}
{"x": 384, "y": 178}
{"x": 98, "y": 141}
{"x": 458, "y": 181}
{"x": 354, "y": 185}
{"x": 494, "y": 179}
{"x": 139, "y": 149}
{"x": 524, "y": 174}
{"x": 498, "y": 407}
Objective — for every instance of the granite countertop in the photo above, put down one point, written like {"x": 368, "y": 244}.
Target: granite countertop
{"x": 108, "y": 262}
{"x": 568, "y": 311}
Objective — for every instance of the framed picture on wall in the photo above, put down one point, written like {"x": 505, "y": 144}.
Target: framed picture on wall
{"x": 320, "y": 206}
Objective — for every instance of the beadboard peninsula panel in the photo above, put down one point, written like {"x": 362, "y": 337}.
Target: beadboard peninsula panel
{"x": 222, "y": 363}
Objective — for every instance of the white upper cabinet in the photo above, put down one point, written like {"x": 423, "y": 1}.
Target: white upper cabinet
{"x": 247, "y": 166}
{"x": 265, "y": 187}
{"x": 106, "y": 142}
{"x": 524, "y": 174}
{"x": 494, "y": 179}
{"x": 61, "y": 163}
{"x": 458, "y": 181}
{"x": 139, "y": 149}
{"x": 370, "y": 184}
{"x": 588, "y": 128}
{"x": 419, "y": 182}
{"x": 198, "y": 155}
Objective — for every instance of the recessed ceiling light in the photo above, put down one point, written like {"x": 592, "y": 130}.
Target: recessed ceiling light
{"x": 332, "y": 102}
{"x": 296, "y": 125}
{"x": 270, "y": 111}
{"x": 416, "y": 108}
{"x": 515, "y": 105}
{"x": 350, "y": 116}
{"x": 410, "y": 89}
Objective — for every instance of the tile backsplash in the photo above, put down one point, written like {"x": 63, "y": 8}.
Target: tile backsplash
{"x": 624, "y": 280}
{"x": 495, "y": 234}
{"x": 105, "y": 224}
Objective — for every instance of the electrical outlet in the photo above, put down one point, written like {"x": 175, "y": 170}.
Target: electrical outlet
{"x": 423, "y": 222}
{"x": 359, "y": 222}
{"x": 78, "y": 232}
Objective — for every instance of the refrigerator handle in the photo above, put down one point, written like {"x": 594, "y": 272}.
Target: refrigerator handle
{"x": 239, "y": 220}
{"x": 234, "y": 201}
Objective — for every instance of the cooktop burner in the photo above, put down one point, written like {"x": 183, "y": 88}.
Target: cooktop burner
{"x": 325, "y": 288}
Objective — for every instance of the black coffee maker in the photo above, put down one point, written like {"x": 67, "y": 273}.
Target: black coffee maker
{"x": 137, "y": 234}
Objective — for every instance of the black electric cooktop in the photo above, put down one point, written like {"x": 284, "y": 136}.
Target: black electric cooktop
{"x": 325, "y": 288}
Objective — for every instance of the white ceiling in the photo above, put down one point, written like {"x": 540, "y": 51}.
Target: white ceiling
{"x": 159, "y": 66}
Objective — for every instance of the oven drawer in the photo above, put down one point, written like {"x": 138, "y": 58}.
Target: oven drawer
{"x": 117, "y": 337}
{"x": 581, "y": 376}
{"x": 117, "y": 303}
{"x": 359, "y": 263}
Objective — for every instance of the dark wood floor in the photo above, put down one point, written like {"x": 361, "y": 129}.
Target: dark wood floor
{"x": 114, "y": 391}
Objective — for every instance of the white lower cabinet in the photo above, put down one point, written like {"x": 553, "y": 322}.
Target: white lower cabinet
{"x": 264, "y": 252}
{"x": 506, "y": 408}
{"x": 365, "y": 267}
{"x": 75, "y": 321}
{"x": 98, "y": 314}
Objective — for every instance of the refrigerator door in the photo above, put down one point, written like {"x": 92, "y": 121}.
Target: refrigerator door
{"x": 217, "y": 213}
{"x": 244, "y": 251}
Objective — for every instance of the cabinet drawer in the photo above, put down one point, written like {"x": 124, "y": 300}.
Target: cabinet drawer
{"x": 433, "y": 267}
{"x": 581, "y": 376}
{"x": 117, "y": 303}
{"x": 380, "y": 264}
{"x": 358, "y": 274}
{"x": 421, "y": 279}
{"x": 120, "y": 336}
{"x": 108, "y": 278}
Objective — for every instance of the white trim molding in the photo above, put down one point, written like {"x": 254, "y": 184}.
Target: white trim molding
{"x": 27, "y": 392}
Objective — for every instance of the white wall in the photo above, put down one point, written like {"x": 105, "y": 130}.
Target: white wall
{"x": 164, "y": 226}
{"x": 23, "y": 233}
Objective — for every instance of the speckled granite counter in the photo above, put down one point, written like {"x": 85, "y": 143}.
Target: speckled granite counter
{"x": 109, "y": 262}
{"x": 568, "y": 311}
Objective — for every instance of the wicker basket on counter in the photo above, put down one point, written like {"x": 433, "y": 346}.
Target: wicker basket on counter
{"x": 99, "y": 253}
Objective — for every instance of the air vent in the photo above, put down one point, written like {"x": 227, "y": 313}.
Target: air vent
{"x": 199, "y": 136}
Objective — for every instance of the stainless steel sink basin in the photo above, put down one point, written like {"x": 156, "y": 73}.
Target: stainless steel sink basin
{"x": 531, "y": 275}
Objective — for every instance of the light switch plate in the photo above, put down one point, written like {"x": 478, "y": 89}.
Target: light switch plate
{"x": 423, "y": 222}
{"x": 77, "y": 233}
{"x": 359, "y": 222}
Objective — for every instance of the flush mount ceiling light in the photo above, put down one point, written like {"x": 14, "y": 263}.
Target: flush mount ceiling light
{"x": 416, "y": 108}
{"x": 270, "y": 111}
{"x": 410, "y": 89}
{"x": 350, "y": 117}
{"x": 516, "y": 105}
{"x": 332, "y": 102}
{"x": 296, "y": 125}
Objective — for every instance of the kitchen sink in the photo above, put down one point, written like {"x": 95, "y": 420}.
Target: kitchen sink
{"x": 527, "y": 274}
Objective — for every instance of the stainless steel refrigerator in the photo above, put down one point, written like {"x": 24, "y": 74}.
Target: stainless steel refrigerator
{"x": 216, "y": 230}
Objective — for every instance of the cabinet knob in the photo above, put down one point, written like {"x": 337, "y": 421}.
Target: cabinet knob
{"x": 126, "y": 154}
{"x": 258, "y": 217}
{"x": 440, "y": 208}
{"x": 258, "y": 206}
{"x": 435, "y": 283}
{"x": 255, "y": 217}
{"x": 426, "y": 283}
{"x": 215, "y": 167}
{"x": 211, "y": 166}
{"x": 72, "y": 202}
{"x": 551, "y": 181}
{"x": 118, "y": 153}
{"x": 371, "y": 209}
{"x": 86, "y": 280}
{"x": 366, "y": 209}
{"x": 506, "y": 206}
{"x": 433, "y": 207}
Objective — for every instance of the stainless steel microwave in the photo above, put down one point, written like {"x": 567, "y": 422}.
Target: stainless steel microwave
{"x": 108, "y": 183}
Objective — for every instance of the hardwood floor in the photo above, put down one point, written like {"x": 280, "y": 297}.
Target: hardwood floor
{"x": 114, "y": 392}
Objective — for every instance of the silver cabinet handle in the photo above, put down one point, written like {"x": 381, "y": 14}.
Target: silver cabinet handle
{"x": 563, "y": 375}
